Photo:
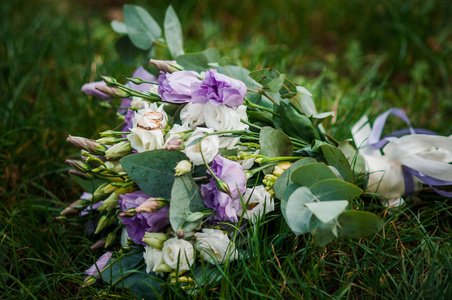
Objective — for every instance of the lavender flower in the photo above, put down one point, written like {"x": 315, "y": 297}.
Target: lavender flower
{"x": 141, "y": 222}
{"x": 175, "y": 87}
{"x": 218, "y": 89}
{"x": 99, "y": 265}
{"x": 225, "y": 205}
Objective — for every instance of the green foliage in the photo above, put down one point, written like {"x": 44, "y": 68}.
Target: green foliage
{"x": 142, "y": 29}
{"x": 173, "y": 33}
{"x": 185, "y": 200}
{"x": 153, "y": 171}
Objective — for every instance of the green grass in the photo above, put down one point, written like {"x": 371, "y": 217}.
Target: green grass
{"x": 356, "y": 58}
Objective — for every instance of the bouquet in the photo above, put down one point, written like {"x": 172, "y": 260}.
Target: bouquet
{"x": 206, "y": 150}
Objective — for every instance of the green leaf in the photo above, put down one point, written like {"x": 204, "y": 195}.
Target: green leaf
{"x": 297, "y": 125}
{"x": 224, "y": 61}
{"x": 322, "y": 233}
{"x": 199, "y": 61}
{"x": 327, "y": 211}
{"x": 336, "y": 158}
{"x": 285, "y": 196}
{"x": 119, "y": 27}
{"x": 147, "y": 288}
{"x": 127, "y": 52}
{"x": 276, "y": 84}
{"x": 142, "y": 29}
{"x": 284, "y": 180}
{"x": 173, "y": 32}
{"x": 310, "y": 174}
{"x": 319, "y": 118}
{"x": 288, "y": 90}
{"x": 132, "y": 276}
{"x": 297, "y": 214}
{"x": 185, "y": 199}
{"x": 120, "y": 265}
{"x": 264, "y": 76}
{"x": 260, "y": 116}
{"x": 274, "y": 143}
{"x": 335, "y": 189}
{"x": 356, "y": 161}
{"x": 358, "y": 224}
{"x": 153, "y": 171}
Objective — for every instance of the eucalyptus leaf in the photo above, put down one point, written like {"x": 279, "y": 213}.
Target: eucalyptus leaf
{"x": 148, "y": 288}
{"x": 199, "y": 61}
{"x": 285, "y": 196}
{"x": 90, "y": 186}
{"x": 133, "y": 276}
{"x": 142, "y": 29}
{"x": 264, "y": 76}
{"x": 335, "y": 189}
{"x": 319, "y": 118}
{"x": 274, "y": 143}
{"x": 310, "y": 174}
{"x": 120, "y": 265}
{"x": 322, "y": 233}
{"x": 297, "y": 215}
{"x": 284, "y": 180}
{"x": 356, "y": 161}
{"x": 276, "y": 84}
{"x": 359, "y": 224}
{"x": 119, "y": 27}
{"x": 173, "y": 32}
{"x": 153, "y": 171}
{"x": 297, "y": 125}
{"x": 224, "y": 61}
{"x": 127, "y": 52}
{"x": 260, "y": 116}
{"x": 336, "y": 158}
{"x": 185, "y": 200}
{"x": 327, "y": 211}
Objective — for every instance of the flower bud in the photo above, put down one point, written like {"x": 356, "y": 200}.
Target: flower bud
{"x": 155, "y": 239}
{"x": 93, "y": 161}
{"x": 269, "y": 180}
{"x": 119, "y": 150}
{"x": 109, "y": 80}
{"x": 126, "y": 190}
{"x": 110, "y": 239}
{"x": 165, "y": 66}
{"x": 113, "y": 91}
{"x": 110, "y": 203}
{"x": 85, "y": 176}
{"x": 99, "y": 193}
{"x": 98, "y": 245}
{"x": 109, "y": 188}
{"x": 174, "y": 144}
{"x": 73, "y": 208}
{"x": 150, "y": 205}
{"x": 183, "y": 167}
{"x": 163, "y": 268}
{"x": 78, "y": 165}
{"x": 89, "y": 280}
{"x": 86, "y": 144}
{"x": 107, "y": 140}
{"x": 223, "y": 186}
{"x": 103, "y": 222}
{"x": 280, "y": 168}
{"x": 128, "y": 213}
{"x": 194, "y": 217}
{"x": 181, "y": 279}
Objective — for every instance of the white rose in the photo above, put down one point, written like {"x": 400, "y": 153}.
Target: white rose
{"x": 210, "y": 146}
{"x": 139, "y": 103}
{"x": 176, "y": 131}
{"x": 178, "y": 250}
{"x": 258, "y": 200}
{"x": 153, "y": 259}
{"x": 145, "y": 140}
{"x": 214, "y": 246}
{"x": 193, "y": 115}
{"x": 145, "y": 117}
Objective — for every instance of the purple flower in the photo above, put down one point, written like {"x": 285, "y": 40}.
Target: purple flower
{"x": 87, "y": 196}
{"x": 90, "y": 89}
{"x": 142, "y": 222}
{"x": 99, "y": 265}
{"x": 218, "y": 89}
{"x": 175, "y": 87}
{"x": 232, "y": 173}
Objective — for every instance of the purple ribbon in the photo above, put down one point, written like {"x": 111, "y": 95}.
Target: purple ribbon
{"x": 376, "y": 142}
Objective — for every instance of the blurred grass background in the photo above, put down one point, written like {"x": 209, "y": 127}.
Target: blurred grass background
{"x": 356, "y": 57}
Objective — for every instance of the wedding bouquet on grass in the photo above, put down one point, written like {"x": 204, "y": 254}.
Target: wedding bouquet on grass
{"x": 205, "y": 151}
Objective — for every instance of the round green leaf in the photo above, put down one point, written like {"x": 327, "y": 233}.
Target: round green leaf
{"x": 297, "y": 214}
{"x": 327, "y": 211}
{"x": 310, "y": 174}
{"x": 143, "y": 30}
{"x": 173, "y": 32}
{"x": 336, "y": 158}
{"x": 335, "y": 189}
{"x": 358, "y": 224}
